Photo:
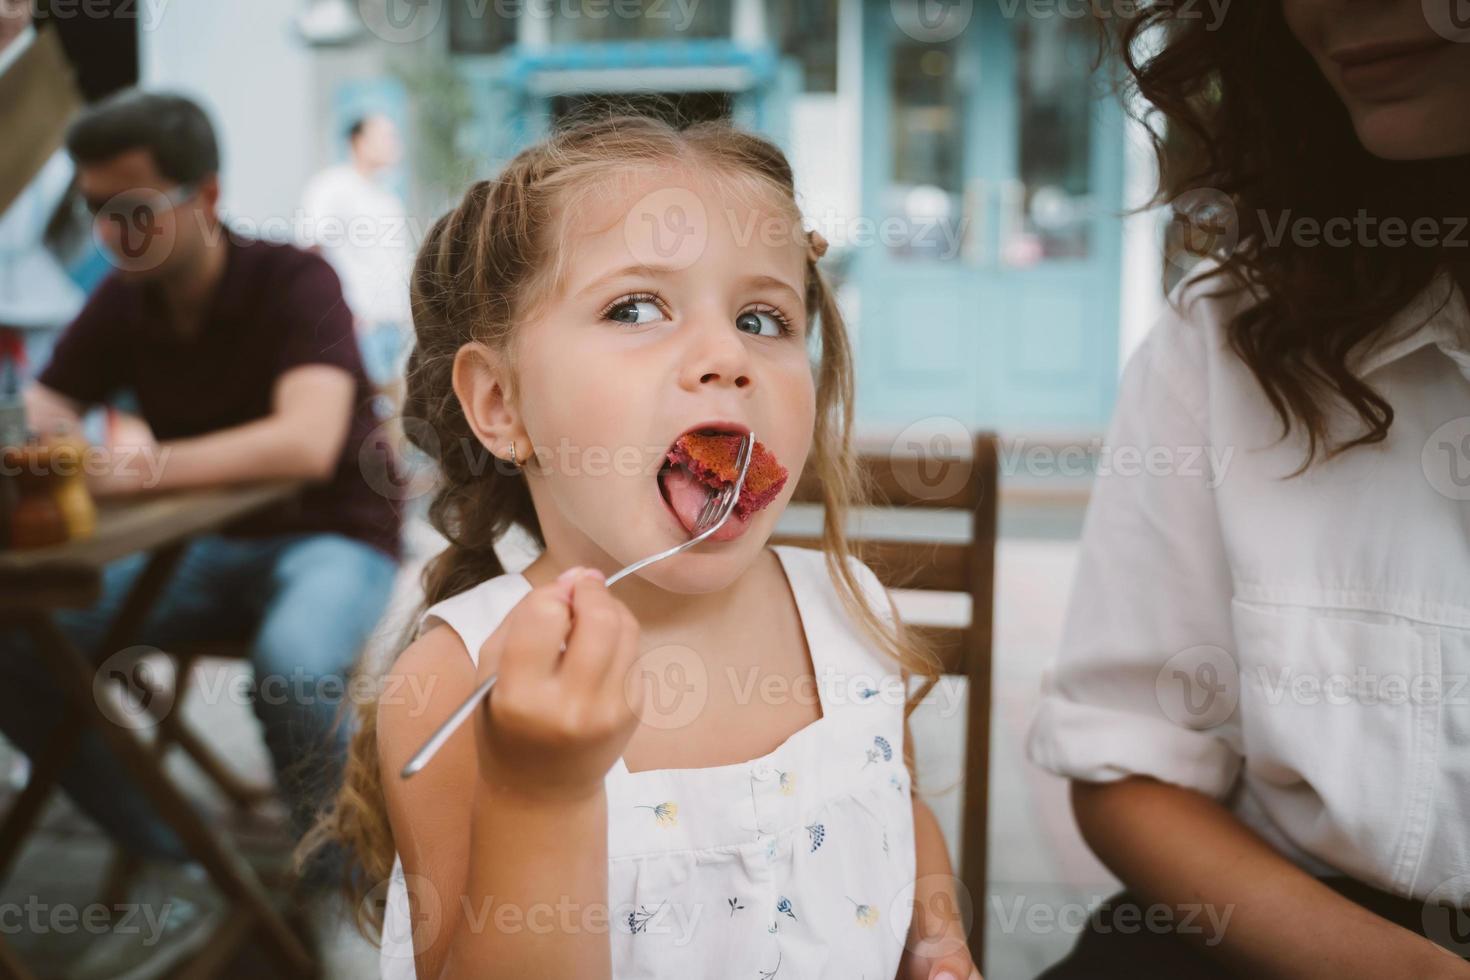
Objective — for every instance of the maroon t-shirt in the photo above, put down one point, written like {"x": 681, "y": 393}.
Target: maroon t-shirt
{"x": 276, "y": 308}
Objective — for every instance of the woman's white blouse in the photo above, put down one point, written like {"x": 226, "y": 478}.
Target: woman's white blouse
{"x": 1297, "y": 647}
{"x": 797, "y": 865}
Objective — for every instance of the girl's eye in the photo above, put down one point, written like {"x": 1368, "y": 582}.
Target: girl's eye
{"x": 764, "y": 323}
{"x": 634, "y": 309}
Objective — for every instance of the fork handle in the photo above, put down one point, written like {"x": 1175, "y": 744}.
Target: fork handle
{"x": 451, "y": 724}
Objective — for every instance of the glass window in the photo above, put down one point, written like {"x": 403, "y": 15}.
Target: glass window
{"x": 676, "y": 108}
{"x": 643, "y": 20}
{"x": 1049, "y": 215}
{"x": 807, "y": 31}
{"x": 927, "y": 141}
{"x": 480, "y": 26}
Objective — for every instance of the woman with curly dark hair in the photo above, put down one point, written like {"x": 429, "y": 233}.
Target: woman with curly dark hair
{"x": 1261, "y": 696}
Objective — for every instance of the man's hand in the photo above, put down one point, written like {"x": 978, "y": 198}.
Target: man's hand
{"x": 123, "y": 469}
{"x": 302, "y": 438}
{"x": 131, "y": 460}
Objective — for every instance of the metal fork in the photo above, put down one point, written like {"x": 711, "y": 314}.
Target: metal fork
{"x": 716, "y": 511}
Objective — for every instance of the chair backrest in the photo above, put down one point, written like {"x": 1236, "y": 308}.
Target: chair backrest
{"x": 958, "y": 482}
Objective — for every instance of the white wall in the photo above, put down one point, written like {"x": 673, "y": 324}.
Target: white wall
{"x": 243, "y": 63}
{"x": 826, "y": 136}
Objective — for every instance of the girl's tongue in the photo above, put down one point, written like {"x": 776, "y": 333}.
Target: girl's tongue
{"x": 702, "y": 462}
{"x": 687, "y": 496}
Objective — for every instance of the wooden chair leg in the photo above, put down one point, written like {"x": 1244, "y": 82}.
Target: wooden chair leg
{"x": 45, "y": 771}
{"x": 242, "y": 794}
{"x": 222, "y": 946}
{"x": 976, "y": 825}
{"x": 119, "y": 877}
{"x": 173, "y": 731}
{"x": 11, "y": 967}
{"x": 165, "y": 740}
{"x": 226, "y": 869}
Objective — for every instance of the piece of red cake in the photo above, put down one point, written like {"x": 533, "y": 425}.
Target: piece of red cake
{"x": 712, "y": 460}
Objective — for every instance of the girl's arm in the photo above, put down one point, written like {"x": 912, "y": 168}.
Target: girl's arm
{"x": 1177, "y": 847}
{"x": 537, "y": 887}
{"x": 937, "y": 946}
{"x": 503, "y": 837}
{"x": 481, "y": 868}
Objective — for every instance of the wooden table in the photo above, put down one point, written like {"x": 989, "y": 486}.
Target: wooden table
{"x": 33, "y": 583}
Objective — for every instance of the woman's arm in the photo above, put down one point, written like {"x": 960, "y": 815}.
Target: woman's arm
{"x": 1177, "y": 847}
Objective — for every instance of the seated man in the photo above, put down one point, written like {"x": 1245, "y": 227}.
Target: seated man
{"x": 243, "y": 363}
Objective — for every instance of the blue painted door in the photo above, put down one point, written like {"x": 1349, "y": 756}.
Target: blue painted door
{"x": 992, "y": 183}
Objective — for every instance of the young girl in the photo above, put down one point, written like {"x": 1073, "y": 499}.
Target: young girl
{"x": 749, "y": 815}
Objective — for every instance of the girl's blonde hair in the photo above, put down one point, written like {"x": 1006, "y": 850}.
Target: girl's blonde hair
{"x": 475, "y": 275}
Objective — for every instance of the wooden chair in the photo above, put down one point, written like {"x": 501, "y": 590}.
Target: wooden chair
{"x": 953, "y": 483}
{"x": 34, "y": 585}
{"x": 166, "y": 706}
{"x": 172, "y": 730}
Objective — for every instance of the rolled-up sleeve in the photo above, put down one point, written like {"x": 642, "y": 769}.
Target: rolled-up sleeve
{"x": 1149, "y": 613}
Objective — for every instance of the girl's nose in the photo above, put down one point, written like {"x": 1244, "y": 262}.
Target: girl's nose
{"x": 717, "y": 356}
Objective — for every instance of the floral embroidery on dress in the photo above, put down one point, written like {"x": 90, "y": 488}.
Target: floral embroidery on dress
{"x": 867, "y": 693}
{"x": 895, "y": 783}
{"x": 818, "y": 833}
{"x": 666, "y": 814}
{"x": 866, "y": 914}
{"x": 784, "y": 907}
{"x": 734, "y": 905}
{"x": 768, "y": 974}
{"x": 880, "y": 750}
{"x": 638, "y": 921}
{"x": 788, "y": 783}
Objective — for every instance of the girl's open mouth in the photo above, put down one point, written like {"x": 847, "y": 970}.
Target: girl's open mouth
{"x": 702, "y": 461}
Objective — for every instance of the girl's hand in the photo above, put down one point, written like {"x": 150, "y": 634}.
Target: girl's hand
{"x": 556, "y": 721}
{"x": 936, "y": 948}
{"x": 946, "y": 963}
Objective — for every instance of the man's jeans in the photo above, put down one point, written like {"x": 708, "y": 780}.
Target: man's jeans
{"x": 306, "y": 604}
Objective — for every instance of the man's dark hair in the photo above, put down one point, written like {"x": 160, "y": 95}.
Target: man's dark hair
{"x": 175, "y": 130}
{"x": 355, "y": 130}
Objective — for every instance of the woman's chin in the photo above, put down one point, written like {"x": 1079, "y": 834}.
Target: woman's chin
{"x": 1407, "y": 131}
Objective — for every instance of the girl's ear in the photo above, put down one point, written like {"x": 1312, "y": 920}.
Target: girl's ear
{"x": 480, "y": 383}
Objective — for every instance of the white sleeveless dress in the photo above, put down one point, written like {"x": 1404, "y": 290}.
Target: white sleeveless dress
{"x": 797, "y": 865}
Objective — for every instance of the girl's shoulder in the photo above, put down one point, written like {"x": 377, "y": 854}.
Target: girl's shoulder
{"x": 476, "y": 612}
{"x": 833, "y": 633}
{"x": 810, "y": 565}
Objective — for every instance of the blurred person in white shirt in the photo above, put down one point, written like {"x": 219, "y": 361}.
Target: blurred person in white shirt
{"x": 359, "y": 225}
